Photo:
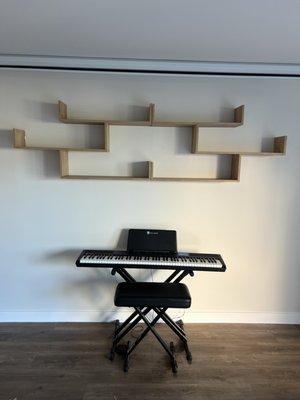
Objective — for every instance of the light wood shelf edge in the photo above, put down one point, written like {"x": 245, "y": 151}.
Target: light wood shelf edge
{"x": 62, "y": 111}
{"x": 19, "y": 139}
{"x": 106, "y": 138}
{"x": 64, "y": 163}
{"x": 239, "y": 114}
{"x": 195, "y": 139}
{"x": 106, "y": 178}
{"x": 280, "y": 143}
{"x": 174, "y": 179}
{"x": 150, "y": 170}
{"x": 235, "y": 167}
{"x": 151, "y": 113}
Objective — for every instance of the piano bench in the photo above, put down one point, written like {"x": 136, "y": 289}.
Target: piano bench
{"x": 150, "y": 294}
{"x": 144, "y": 297}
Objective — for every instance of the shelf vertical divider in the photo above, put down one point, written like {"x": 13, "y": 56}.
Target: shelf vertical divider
{"x": 64, "y": 163}
{"x": 239, "y": 114}
{"x": 106, "y": 137}
{"x": 151, "y": 113}
{"x": 235, "y": 167}
{"x": 19, "y": 138}
{"x": 195, "y": 138}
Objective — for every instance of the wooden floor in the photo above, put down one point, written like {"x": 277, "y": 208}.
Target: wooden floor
{"x": 68, "y": 361}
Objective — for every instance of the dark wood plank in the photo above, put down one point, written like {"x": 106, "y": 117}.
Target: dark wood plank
{"x": 230, "y": 361}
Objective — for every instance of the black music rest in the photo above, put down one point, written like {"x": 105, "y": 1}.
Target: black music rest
{"x": 149, "y": 294}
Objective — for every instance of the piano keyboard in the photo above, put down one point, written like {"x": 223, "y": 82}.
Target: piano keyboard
{"x": 98, "y": 258}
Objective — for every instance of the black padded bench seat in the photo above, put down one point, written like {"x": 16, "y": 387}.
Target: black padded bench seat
{"x": 152, "y": 294}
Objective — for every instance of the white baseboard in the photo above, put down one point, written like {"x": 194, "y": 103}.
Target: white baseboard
{"x": 188, "y": 316}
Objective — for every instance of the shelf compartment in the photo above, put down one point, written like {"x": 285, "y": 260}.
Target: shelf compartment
{"x": 279, "y": 147}
{"x": 19, "y": 142}
{"x": 66, "y": 174}
{"x": 238, "y": 120}
{"x": 64, "y": 117}
{"x": 234, "y": 173}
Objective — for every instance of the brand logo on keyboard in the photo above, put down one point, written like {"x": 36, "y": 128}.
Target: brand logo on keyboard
{"x": 152, "y": 233}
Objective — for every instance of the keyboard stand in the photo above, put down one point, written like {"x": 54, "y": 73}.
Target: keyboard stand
{"x": 141, "y": 314}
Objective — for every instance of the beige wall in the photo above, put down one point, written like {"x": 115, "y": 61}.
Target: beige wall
{"x": 45, "y": 221}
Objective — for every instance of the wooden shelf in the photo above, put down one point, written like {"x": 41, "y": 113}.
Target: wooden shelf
{"x": 105, "y": 177}
{"x": 65, "y": 171}
{"x": 279, "y": 147}
{"x": 238, "y": 119}
{"x": 19, "y": 142}
{"x": 234, "y": 173}
{"x": 63, "y": 117}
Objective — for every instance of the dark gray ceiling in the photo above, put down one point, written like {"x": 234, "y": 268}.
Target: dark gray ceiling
{"x": 214, "y": 30}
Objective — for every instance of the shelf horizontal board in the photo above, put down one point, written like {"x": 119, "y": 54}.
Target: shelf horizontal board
{"x": 99, "y": 177}
{"x": 104, "y": 177}
{"x": 193, "y": 179}
{"x": 241, "y": 153}
{"x": 62, "y": 148}
{"x": 82, "y": 121}
{"x": 198, "y": 123}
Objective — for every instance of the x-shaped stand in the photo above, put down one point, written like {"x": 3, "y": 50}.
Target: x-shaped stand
{"x": 141, "y": 314}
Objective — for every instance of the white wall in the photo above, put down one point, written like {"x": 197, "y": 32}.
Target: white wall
{"x": 45, "y": 221}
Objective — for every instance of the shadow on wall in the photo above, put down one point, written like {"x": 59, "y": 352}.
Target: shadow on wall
{"x": 6, "y": 140}
{"x": 94, "y": 286}
{"x": 44, "y": 111}
{"x": 51, "y": 164}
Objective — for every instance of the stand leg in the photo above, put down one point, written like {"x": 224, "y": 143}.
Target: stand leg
{"x": 126, "y": 361}
{"x": 111, "y": 355}
{"x": 173, "y": 359}
{"x": 188, "y": 353}
{"x": 189, "y": 356}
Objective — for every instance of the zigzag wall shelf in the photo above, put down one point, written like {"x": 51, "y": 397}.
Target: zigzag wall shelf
{"x": 279, "y": 147}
